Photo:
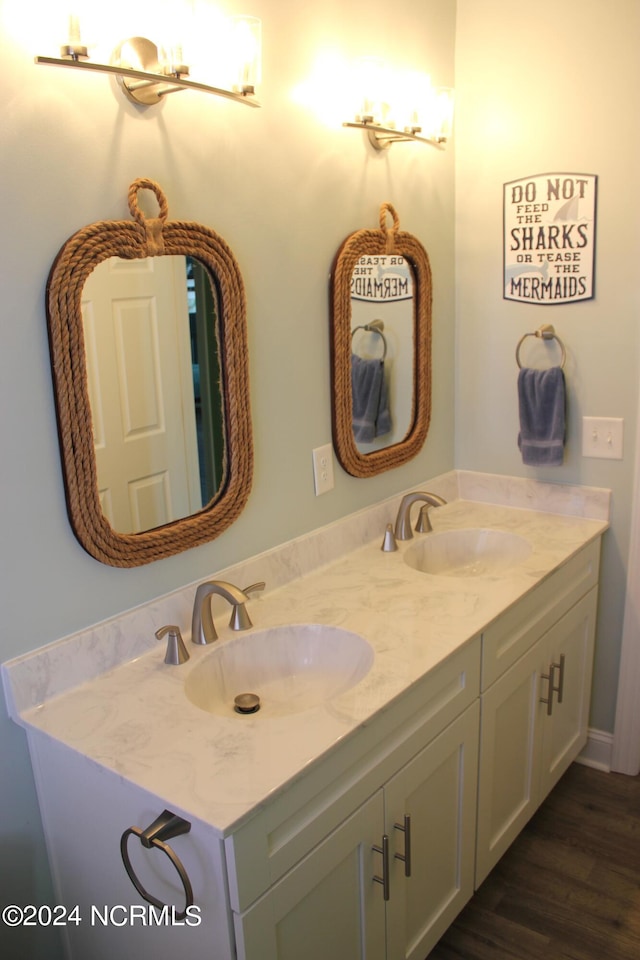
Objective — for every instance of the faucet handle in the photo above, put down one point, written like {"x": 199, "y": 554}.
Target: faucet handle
{"x": 260, "y": 585}
{"x": 389, "y": 543}
{"x": 176, "y": 650}
{"x": 240, "y": 619}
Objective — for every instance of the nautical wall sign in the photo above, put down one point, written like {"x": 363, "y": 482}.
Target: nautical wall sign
{"x": 550, "y": 238}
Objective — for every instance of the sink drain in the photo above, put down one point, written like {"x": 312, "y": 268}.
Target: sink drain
{"x": 246, "y": 703}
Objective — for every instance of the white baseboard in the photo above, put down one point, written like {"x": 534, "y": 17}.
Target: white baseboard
{"x": 597, "y": 750}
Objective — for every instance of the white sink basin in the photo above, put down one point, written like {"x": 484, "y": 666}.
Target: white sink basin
{"x": 467, "y": 553}
{"x": 290, "y": 668}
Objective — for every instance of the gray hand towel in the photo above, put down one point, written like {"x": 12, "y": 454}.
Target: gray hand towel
{"x": 371, "y": 416}
{"x": 383, "y": 420}
{"x": 541, "y": 395}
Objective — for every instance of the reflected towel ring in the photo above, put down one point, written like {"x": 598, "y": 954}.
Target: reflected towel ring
{"x": 545, "y": 332}
{"x": 376, "y": 326}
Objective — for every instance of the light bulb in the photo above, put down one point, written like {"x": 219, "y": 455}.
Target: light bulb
{"x": 175, "y": 28}
{"x": 369, "y": 82}
{"x": 419, "y": 98}
{"x": 74, "y": 48}
{"x": 246, "y": 53}
{"x": 442, "y": 120}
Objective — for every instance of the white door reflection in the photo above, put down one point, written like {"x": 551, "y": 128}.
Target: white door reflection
{"x": 151, "y": 349}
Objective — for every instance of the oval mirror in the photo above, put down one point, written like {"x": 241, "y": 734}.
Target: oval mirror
{"x": 147, "y": 329}
{"x": 380, "y": 348}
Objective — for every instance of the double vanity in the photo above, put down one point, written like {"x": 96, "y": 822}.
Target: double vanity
{"x": 415, "y": 707}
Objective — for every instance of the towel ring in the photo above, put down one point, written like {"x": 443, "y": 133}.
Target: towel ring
{"x": 164, "y": 827}
{"x": 376, "y": 326}
{"x": 545, "y": 332}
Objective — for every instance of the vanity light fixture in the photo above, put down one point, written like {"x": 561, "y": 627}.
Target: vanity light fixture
{"x": 398, "y": 108}
{"x": 147, "y": 72}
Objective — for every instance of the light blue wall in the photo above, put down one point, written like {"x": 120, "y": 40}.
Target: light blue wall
{"x": 551, "y": 87}
{"x": 284, "y": 190}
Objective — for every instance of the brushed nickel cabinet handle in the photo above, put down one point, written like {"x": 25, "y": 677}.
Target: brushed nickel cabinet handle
{"x": 405, "y": 857}
{"x": 560, "y": 667}
{"x": 549, "y": 698}
{"x": 384, "y": 879}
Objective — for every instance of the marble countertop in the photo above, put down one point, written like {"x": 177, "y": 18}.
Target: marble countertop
{"x": 136, "y": 720}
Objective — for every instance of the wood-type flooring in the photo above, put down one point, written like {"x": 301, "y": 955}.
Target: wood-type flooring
{"x": 569, "y": 886}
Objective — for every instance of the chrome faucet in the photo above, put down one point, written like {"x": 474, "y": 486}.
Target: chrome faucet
{"x": 403, "y": 529}
{"x": 202, "y": 626}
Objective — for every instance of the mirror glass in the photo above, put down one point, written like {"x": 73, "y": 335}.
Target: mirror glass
{"x": 381, "y": 350}
{"x": 152, "y": 354}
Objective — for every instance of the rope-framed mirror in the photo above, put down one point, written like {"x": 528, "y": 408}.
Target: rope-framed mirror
{"x": 158, "y": 529}
{"x": 372, "y": 248}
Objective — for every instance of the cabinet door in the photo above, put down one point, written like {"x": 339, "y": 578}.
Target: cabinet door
{"x": 328, "y": 907}
{"x": 509, "y": 758}
{"x": 526, "y": 744}
{"x": 570, "y": 655}
{"x": 437, "y": 792}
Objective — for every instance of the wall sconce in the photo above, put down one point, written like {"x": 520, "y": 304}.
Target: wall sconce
{"x": 147, "y": 71}
{"x": 400, "y": 107}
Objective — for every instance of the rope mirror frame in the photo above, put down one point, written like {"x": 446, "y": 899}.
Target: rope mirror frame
{"x": 371, "y": 243}
{"x": 136, "y": 239}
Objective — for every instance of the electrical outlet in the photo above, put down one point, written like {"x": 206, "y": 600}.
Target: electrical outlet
{"x": 323, "y": 469}
{"x": 602, "y": 437}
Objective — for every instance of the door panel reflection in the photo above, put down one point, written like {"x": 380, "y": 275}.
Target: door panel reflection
{"x": 153, "y": 371}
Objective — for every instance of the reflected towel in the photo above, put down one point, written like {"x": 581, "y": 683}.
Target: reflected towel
{"x": 541, "y": 395}
{"x": 371, "y": 416}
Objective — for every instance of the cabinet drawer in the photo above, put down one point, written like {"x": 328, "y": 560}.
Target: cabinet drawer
{"x": 283, "y": 832}
{"x": 510, "y": 636}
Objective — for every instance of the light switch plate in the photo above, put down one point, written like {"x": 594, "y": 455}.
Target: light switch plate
{"x": 602, "y": 437}
{"x": 323, "y": 469}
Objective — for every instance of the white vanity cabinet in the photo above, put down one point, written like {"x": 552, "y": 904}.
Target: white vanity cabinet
{"x": 534, "y": 712}
{"x": 296, "y": 879}
{"x": 85, "y": 810}
{"x": 476, "y": 703}
{"x": 420, "y": 822}
{"x": 328, "y": 906}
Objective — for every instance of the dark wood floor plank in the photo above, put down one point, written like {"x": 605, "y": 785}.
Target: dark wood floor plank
{"x": 618, "y": 881}
{"x": 587, "y": 920}
{"x": 483, "y": 935}
{"x": 569, "y": 887}
{"x": 543, "y": 851}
